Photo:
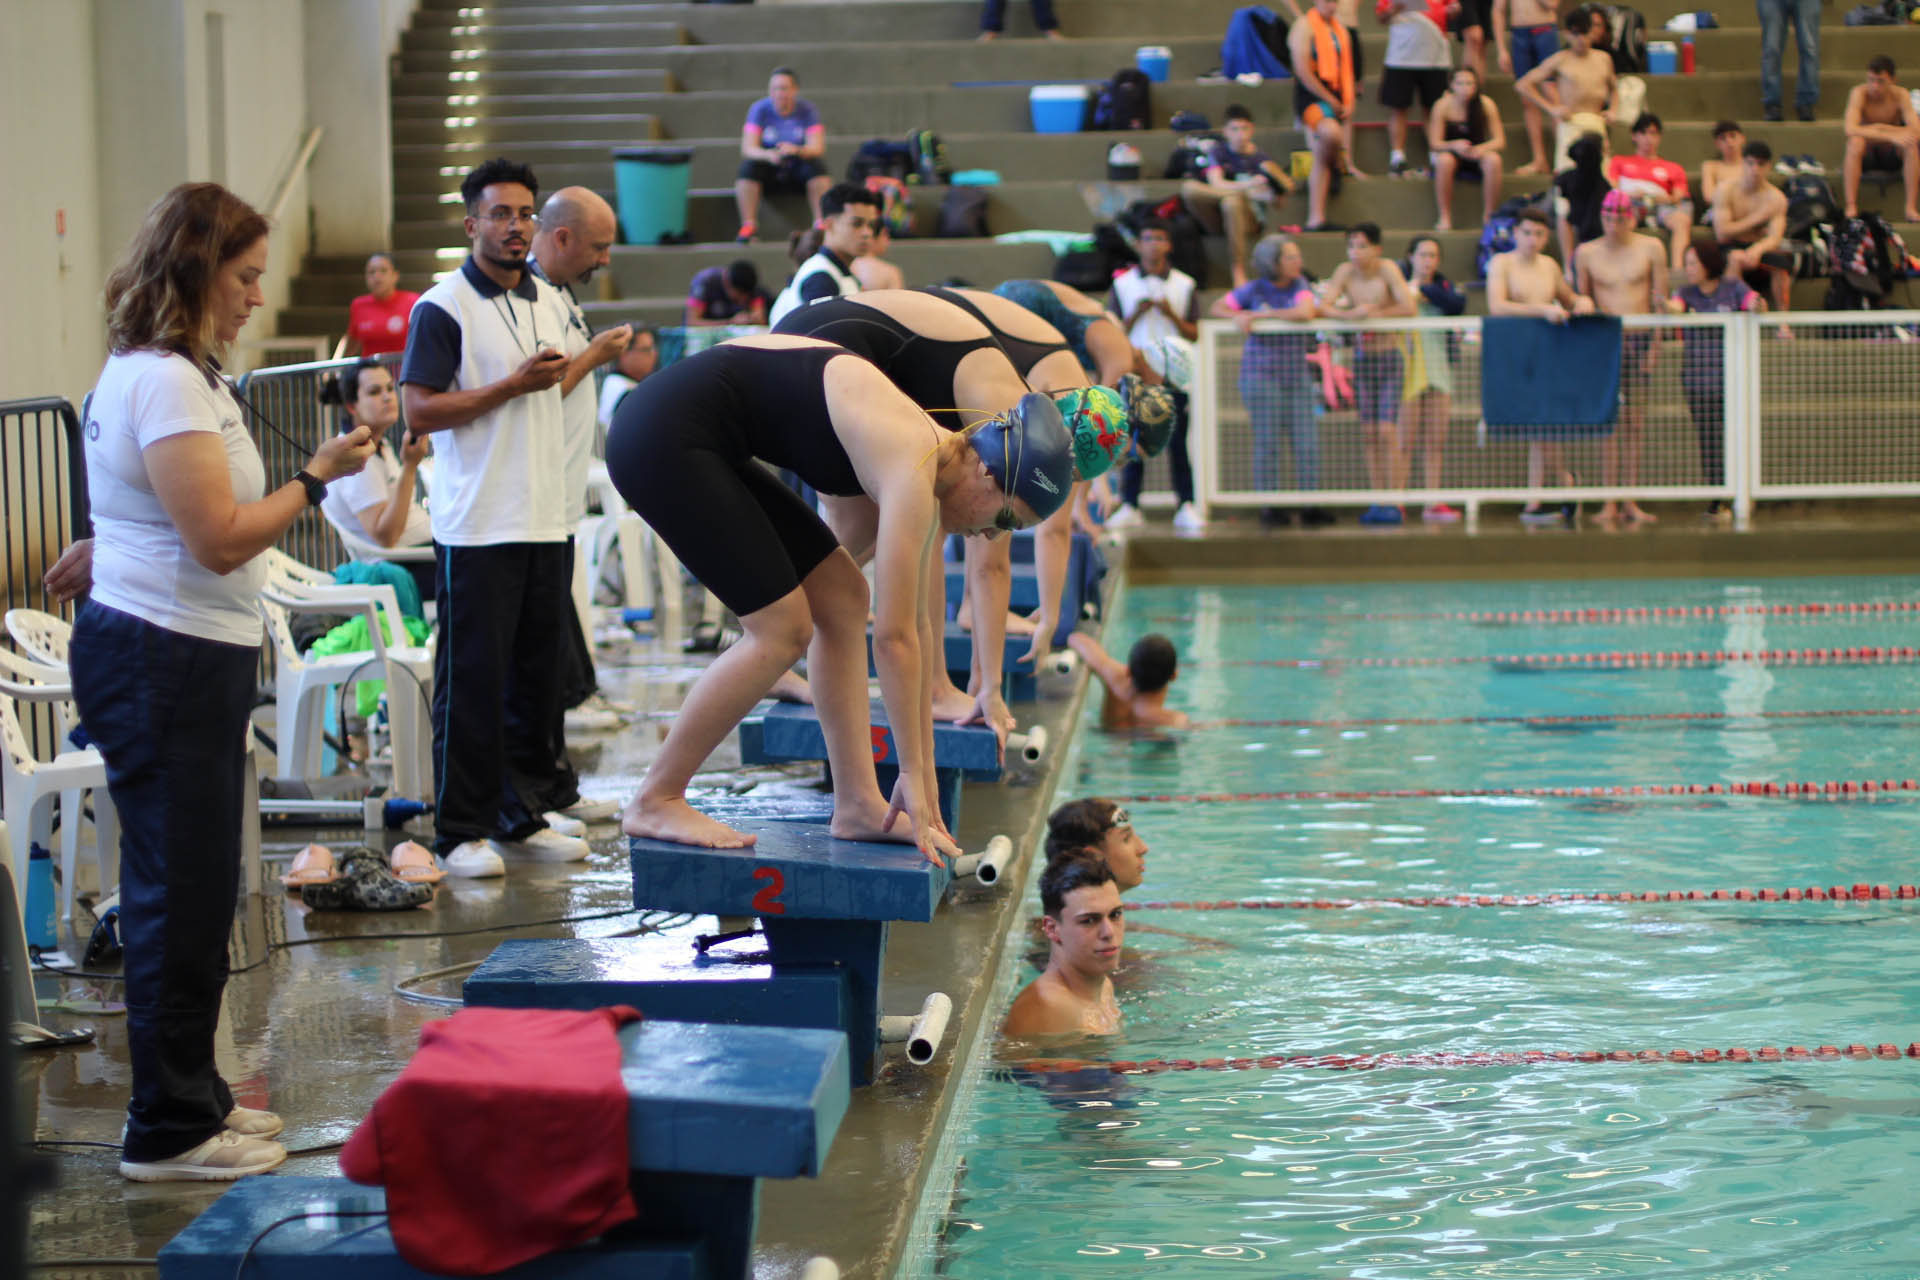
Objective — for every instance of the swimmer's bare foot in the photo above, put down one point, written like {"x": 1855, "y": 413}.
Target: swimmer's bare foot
{"x": 1530, "y": 168}
{"x": 863, "y": 820}
{"x": 792, "y": 687}
{"x": 1637, "y": 514}
{"x": 1608, "y": 515}
{"x": 1019, "y": 625}
{"x": 951, "y": 704}
{"x": 677, "y": 822}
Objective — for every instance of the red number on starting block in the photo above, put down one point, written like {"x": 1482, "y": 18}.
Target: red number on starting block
{"x": 767, "y": 901}
{"x": 881, "y": 744}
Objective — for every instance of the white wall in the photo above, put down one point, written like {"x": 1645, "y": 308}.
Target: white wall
{"x": 104, "y": 105}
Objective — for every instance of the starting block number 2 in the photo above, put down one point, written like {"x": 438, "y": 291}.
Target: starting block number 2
{"x": 767, "y": 901}
{"x": 882, "y": 744}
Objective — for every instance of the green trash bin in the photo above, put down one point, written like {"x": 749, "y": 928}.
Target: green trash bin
{"x": 650, "y": 184}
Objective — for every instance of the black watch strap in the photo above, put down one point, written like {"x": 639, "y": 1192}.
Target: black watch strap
{"x": 315, "y": 487}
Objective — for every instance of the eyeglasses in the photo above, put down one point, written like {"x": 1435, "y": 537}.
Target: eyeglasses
{"x": 506, "y": 217}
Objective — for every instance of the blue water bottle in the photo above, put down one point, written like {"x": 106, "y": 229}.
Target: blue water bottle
{"x": 42, "y": 911}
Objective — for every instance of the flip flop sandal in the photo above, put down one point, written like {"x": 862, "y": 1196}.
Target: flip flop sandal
{"x": 413, "y": 862}
{"x": 366, "y": 885}
{"x": 312, "y": 865}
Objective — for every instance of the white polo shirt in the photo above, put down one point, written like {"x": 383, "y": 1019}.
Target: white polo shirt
{"x": 823, "y": 275}
{"x": 580, "y": 406}
{"x": 141, "y": 564}
{"x": 502, "y": 477}
{"x": 1152, "y": 331}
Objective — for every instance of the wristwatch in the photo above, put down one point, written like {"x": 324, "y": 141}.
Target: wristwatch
{"x": 315, "y": 487}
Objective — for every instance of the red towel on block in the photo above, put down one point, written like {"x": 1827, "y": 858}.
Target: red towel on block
{"x": 505, "y": 1138}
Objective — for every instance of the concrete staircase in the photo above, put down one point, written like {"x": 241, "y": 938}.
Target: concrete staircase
{"x": 560, "y": 85}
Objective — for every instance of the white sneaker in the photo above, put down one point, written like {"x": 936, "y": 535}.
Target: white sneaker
{"x": 222, "y": 1158}
{"x": 1126, "y": 517}
{"x": 249, "y": 1123}
{"x": 1187, "y": 520}
{"x": 587, "y": 809}
{"x": 475, "y": 859}
{"x": 545, "y": 846}
{"x": 558, "y": 821}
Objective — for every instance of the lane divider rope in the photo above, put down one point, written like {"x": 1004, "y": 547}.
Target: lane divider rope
{"x": 1614, "y": 660}
{"x": 1811, "y": 611}
{"x": 1849, "y": 788}
{"x": 1602, "y": 717}
{"x": 1531, "y": 1057}
{"x": 1812, "y": 893}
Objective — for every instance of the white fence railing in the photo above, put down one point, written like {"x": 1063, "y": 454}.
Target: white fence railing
{"x": 1733, "y": 409}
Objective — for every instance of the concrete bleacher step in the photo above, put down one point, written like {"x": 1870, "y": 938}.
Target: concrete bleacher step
{"x": 588, "y": 30}
{"x": 610, "y": 129}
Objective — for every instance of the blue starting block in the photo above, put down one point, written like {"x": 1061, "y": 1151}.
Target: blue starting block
{"x": 1016, "y": 677}
{"x": 823, "y": 904}
{"x": 788, "y": 731}
{"x": 1024, "y": 594}
{"x": 712, "y": 1110}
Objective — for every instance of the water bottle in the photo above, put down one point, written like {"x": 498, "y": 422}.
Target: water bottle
{"x": 43, "y": 923}
{"x": 1686, "y": 57}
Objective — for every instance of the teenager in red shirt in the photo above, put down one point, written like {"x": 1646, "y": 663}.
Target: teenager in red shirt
{"x": 377, "y": 319}
{"x": 1658, "y": 186}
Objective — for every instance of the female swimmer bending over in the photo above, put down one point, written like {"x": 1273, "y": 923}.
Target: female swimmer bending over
{"x": 684, "y": 450}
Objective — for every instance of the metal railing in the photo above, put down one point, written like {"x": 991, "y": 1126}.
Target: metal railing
{"x": 1730, "y": 408}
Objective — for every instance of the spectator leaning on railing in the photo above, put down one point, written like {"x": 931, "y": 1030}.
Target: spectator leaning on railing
{"x": 166, "y": 651}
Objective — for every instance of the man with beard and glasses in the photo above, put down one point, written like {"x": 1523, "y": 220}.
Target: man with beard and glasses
{"x": 484, "y": 365}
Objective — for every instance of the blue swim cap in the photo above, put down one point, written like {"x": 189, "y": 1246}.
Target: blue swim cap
{"x": 1028, "y": 453}
{"x": 1150, "y": 411}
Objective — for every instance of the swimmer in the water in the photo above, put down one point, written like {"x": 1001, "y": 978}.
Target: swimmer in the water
{"x": 1135, "y": 693}
{"x": 685, "y": 451}
{"x": 1105, "y": 827}
{"x": 947, "y": 361}
{"x": 1085, "y": 926}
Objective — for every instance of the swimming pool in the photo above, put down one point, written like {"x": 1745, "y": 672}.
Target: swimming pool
{"x": 1492, "y": 1167}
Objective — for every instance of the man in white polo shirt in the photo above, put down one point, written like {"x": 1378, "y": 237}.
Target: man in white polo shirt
{"x": 482, "y": 373}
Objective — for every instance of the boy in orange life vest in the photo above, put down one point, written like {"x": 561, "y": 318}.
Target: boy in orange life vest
{"x": 1323, "y": 90}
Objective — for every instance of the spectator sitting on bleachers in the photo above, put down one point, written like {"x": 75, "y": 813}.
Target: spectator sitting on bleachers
{"x": 377, "y": 319}
{"x": 381, "y": 502}
{"x": 848, "y": 214}
{"x": 872, "y": 269}
{"x": 1323, "y": 95}
{"x": 727, "y": 295}
{"x": 1238, "y": 189}
{"x": 1728, "y": 139}
{"x": 1750, "y": 221}
{"x": 1417, "y": 62}
{"x": 1464, "y": 139}
{"x": 1575, "y": 86}
{"x": 640, "y": 359}
{"x": 1657, "y": 186}
{"x": 782, "y": 148}
{"x": 1883, "y": 133}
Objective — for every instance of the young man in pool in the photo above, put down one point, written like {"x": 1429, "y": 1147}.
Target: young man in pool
{"x": 1085, "y": 925}
{"x": 1135, "y": 694}
{"x": 1104, "y": 827}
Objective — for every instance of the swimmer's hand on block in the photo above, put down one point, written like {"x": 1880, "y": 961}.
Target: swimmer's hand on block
{"x": 987, "y": 865}
{"x": 1030, "y": 746}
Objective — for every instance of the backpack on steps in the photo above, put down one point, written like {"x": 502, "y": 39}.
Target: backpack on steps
{"x": 880, "y": 157}
{"x": 896, "y": 208}
{"x": 927, "y": 159}
{"x": 1627, "y": 39}
{"x": 1125, "y": 102}
{"x": 1810, "y": 204}
{"x": 963, "y": 213}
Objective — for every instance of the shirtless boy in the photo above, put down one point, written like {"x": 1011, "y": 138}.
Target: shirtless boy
{"x": 1085, "y": 925}
{"x": 1135, "y": 695}
{"x": 1728, "y": 139}
{"x": 1575, "y": 86}
{"x": 1883, "y": 132}
{"x": 1526, "y": 282}
{"x": 1750, "y": 218}
{"x": 1535, "y": 38}
{"x": 1625, "y": 273}
{"x": 1369, "y": 287}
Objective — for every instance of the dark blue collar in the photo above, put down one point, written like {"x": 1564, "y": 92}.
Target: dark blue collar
{"x": 484, "y": 285}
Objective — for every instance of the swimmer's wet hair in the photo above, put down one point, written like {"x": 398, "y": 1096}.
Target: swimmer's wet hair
{"x": 1079, "y": 825}
{"x": 1152, "y": 662}
{"x": 1087, "y": 870}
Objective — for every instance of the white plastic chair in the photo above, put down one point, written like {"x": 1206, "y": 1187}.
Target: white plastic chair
{"x": 29, "y": 784}
{"x": 642, "y": 554}
{"x": 44, "y": 637}
{"x": 303, "y": 684}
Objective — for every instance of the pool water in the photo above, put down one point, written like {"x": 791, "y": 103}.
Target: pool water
{"x": 1547, "y": 1169}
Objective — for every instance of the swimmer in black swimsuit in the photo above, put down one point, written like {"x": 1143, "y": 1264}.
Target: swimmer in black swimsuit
{"x": 943, "y": 356}
{"x": 684, "y": 451}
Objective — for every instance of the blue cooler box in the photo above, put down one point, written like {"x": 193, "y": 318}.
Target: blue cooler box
{"x": 1058, "y": 108}
{"x": 1156, "y": 60}
{"x": 1663, "y": 58}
